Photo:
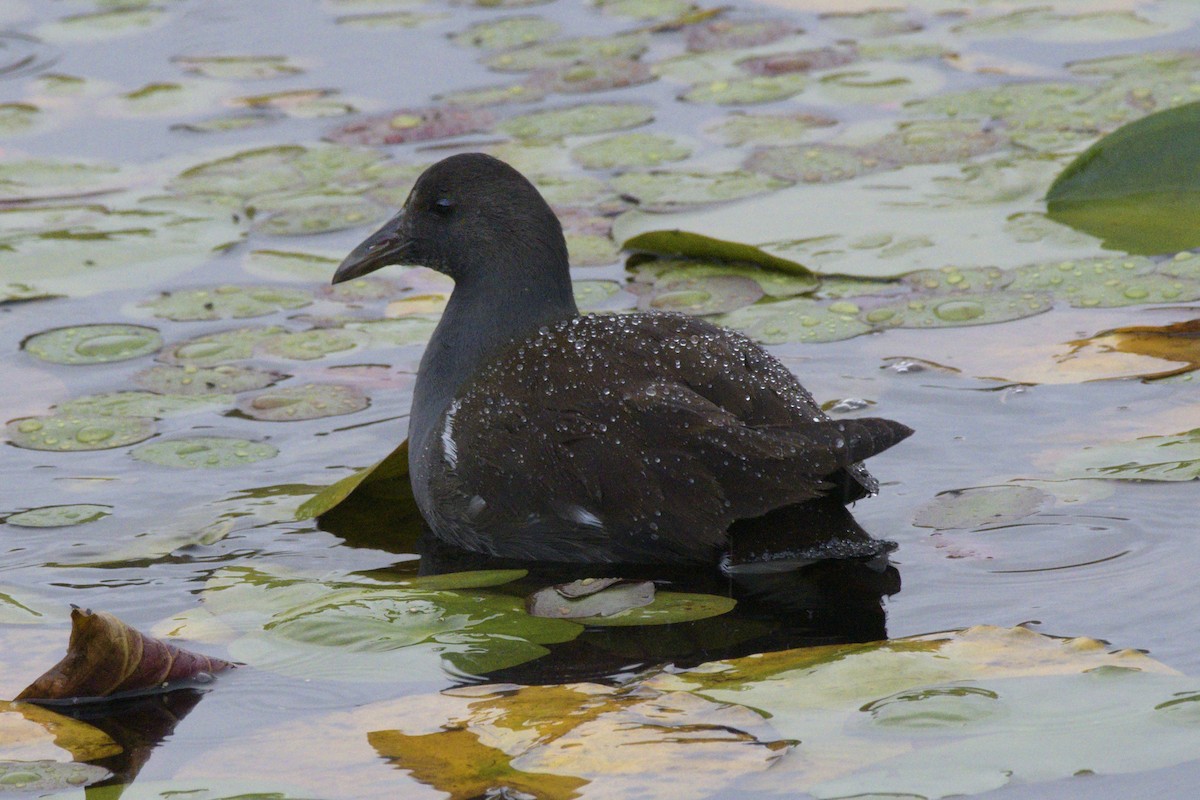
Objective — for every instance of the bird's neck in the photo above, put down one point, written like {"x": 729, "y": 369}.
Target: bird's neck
{"x": 486, "y": 312}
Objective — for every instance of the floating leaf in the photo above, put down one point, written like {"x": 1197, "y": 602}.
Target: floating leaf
{"x": 796, "y": 320}
{"x": 44, "y": 777}
{"x": 728, "y": 35}
{"x": 215, "y": 348}
{"x": 956, "y": 279}
{"x": 195, "y": 381}
{"x": 662, "y": 190}
{"x": 310, "y": 401}
{"x": 592, "y": 76}
{"x": 58, "y": 516}
{"x": 393, "y": 468}
{"x": 313, "y": 344}
{"x": 590, "y": 250}
{"x": 812, "y": 163}
{"x": 74, "y": 434}
{"x": 577, "y": 120}
{"x": 507, "y": 33}
{"x": 493, "y": 95}
{"x": 715, "y": 294}
{"x": 951, "y": 311}
{"x": 1151, "y": 458}
{"x": 563, "y": 52}
{"x": 1179, "y": 343}
{"x": 17, "y": 118}
{"x": 980, "y": 507}
{"x": 694, "y": 245}
{"x": 318, "y": 212}
{"x": 1138, "y": 188}
{"x": 1105, "y": 282}
{"x": 798, "y": 61}
{"x": 105, "y": 657}
{"x": 747, "y": 91}
{"x": 773, "y": 282}
{"x": 93, "y": 344}
{"x": 139, "y": 404}
{"x": 767, "y": 129}
{"x": 204, "y": 452}
{"x": 412, "y": 125}
{"x": 226, "y": 302}
{"x": 591, "y": 295}
{"x": 34, "y": 179}
{"x": 238, "y": 67}
{"x": 394, "y": 332}
{"x": 933, "y": 141}
{"x": 388, "y": 21}
{"x": 102, "y": 24}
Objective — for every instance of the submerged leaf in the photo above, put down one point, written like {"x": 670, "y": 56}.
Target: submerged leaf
{"x": 1139, "y": 187}
{"x": 105, "y": 657}
{"x": 58, "y": 516}
{"x": 1151, "y": 458}
{"x": 980, "y": 507}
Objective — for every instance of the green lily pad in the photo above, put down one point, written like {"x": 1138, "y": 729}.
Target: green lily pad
{"x": 663, "y": 191}
{"x": 592, "y": 76}
{"x": 49, "y": 776}
{"x": 796, "y": 320}
{"x": 957, "y": 279}
{"x": 647, "y": 9}
{"x": 167, "y": 98}
{"x": 589, "y": 597}
{"x": 773, "y": 282}
{"x": 507, "y": 33}
{"x": 393, "y": 469}
{"x": 33, "y": 179}
{"x": 591, "y": 250}
{"x": 388, "y": 21}
{"x": 318, "y": 212}
{"x": 1151, "y": 458}
{"x": 818, "y": 163}
{"x": 93, "y": 344}
{"x": 952, "y": 311}
{"x": 876, "y": 84}
{"x": 592, "y": 295}
{"x": 360, "y": 290}
{"x": 365, "y": 630}
{"x": 216, "y": 348}
{"x": 767, "y": 129}
{"x": 102, "y": 24}
{"x": 204, "y": 452}
{"x": 701, "y": 296}
{"x": 59, "y": 516}
{"x": 312, "y": 344}
{"x": 667, "y": 608}
{"x": 226, "y": 302}
{"x": 298, "y": 103}
{"x": 140, "y": 404}
{"x": 872, "y": 22}
{"x": 573, "y": 190}
{"x": 493, "y": 95}
{"x": 933, "y": 141}
{"x": 244, "y": 174}
{"x": 74, "y": 434}
{"x": 1138, "y": 188}
{"x": 748, "y": 90}
{"x": 1105, "y": 282}
{"x": 18, "y": 118}
{"x": 705, "y": 248}
{"x": 238, "y": 67}
{"x": 980, "y": 507}
{"x": 1046, "y": 25}
{"x": 562, "y": 52}
{"x": 192, "y": 380}
{"x": 290, "y": 265}
{"x": 577, "y": 120}
{"x": 395, "y": 332}
{"x": 310, "y": 401}
{"x": 226, "y": 123}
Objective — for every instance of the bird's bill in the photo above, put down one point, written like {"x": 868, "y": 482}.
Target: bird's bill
{"x": 383, "y": 248}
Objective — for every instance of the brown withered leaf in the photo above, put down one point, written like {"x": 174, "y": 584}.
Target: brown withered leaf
{"x": 1179, "y": 342}
{"x": 105, "y": 657}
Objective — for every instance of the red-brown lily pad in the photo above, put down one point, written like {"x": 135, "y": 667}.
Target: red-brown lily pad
{"x": 413, "y": 125}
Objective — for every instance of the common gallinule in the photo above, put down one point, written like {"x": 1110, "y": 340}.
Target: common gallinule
{"x": 540, "y": 434}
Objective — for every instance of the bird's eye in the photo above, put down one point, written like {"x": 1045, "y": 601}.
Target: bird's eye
{"x": 443, "y": 205}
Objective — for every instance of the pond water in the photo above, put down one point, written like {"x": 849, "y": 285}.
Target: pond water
{"x": 173, "y": 172}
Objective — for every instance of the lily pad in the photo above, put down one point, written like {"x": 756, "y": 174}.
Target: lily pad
{"x": 204, "y": 452}
{"x": 980, "y": 507}
{"x": 957, "y": 279}
{"x": 72, "y": 433}
{"x": 700, "y": 296}
{"x": 102, "y": 24}
{"x": 577, "y": 120}
{"x": 871, "y": 22}
{"x": 592, "y": 295}
{"x": 592, "y": 76}
{"x": 140, "y": 404}
{"x": 93, "y": 344}
{"x": 49, "y": 776}
{"x": 1138, "y": 188}
{"x": 507, "y": 33}
{"x": 34, "y": 179}
{"x": 318, "y": 212}
{"x": 238, "y": 67}
{"x": 413, "y": 125}
{"x": 796, "y": 320}
{"x": 591, "y": 250}
{"x": 226, "y": 302}
{"x": 589, "y": 597}
{"x": 59, "y": 516}
{"x": 167, "y": 98}
{"x": 493, "y": 95}
{"x": 705, "y": 248}
{"x": 1151, "y": 458}
{"x": 952, "y": 311}
{"x": 767, "y": 129}
{"x": 747, "y": 91}
{"x": 217, "y": 348}
{"x": 1105, "y": 282}
{"x": 730, "y": 35}
{"x": 773, "y": 282}
{"x": 798, "y": 61}
{"x": 192, "y": 380}
{"x": 312, "y": 344}
{"x": 933, "y": 141}
{"x": 290, "y": 265}
{"x": 400, "y": 332}
{"x": 666, "y": 609}
{"x": 311, "y": 401}
{"x": 818, "y": 163}
{"x": 388, "y": 20}
{"x": 563, "y": 52}
{"x": 663, "y": 190}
